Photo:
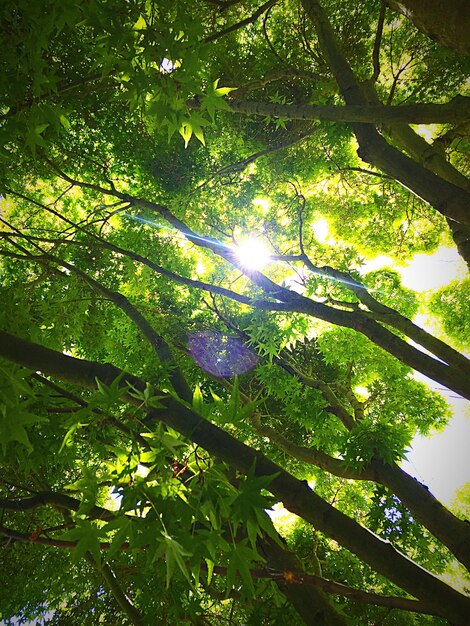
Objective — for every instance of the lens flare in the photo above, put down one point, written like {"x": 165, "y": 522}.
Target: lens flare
{"x": 220, "y": 354}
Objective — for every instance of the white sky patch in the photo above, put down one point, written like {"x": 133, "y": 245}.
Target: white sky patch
{"x": 167, "y": 66}
{"x": 363, "y": 392}
{"x": 295, "y": 282}
{"x": 253, "y": 253}
{"x": 427, "y": 131}
{"x": 262, "y": 203}
{"x": 201, "y": 267}
{"x": 441, "y": 460}
{"x": 433, "y": 271}
{"x": 377, "y": 263}
{"x": 321, "y": 229}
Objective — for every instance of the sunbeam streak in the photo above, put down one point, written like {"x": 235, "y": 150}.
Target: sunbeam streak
{"x": 251, "y": 253}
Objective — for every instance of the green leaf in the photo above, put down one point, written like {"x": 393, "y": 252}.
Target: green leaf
{"x": 174, "y": 554}
{"x": 198, "y": 400}
{"x": 69, "y": 435}
{"x": 240, "y": 560}
{"x": 86, "y": 534}
{"x": 112, "y": 393}
{"x": 14, "y": 421}
{"x": 186, "y": 131}
{"x": 141, "y": 24}
{"x": 221, "y": 91}
{"x": 122, "y": 527}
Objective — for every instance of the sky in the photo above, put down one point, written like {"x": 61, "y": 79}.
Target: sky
{"x": 442, "y": 460}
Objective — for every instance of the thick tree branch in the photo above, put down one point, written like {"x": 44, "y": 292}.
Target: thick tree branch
{"x": 121, "y": 598}
{"x": 425, "y": 508}
{"x": 455, "y": 111}
{"x": 56, "y": 499}
{"x": 393, "y": 318}
{"x": 60, "y": 501}
{"x": 307, "y": 454}
{"x": 189, "y": 282}
{"x": 286, "y": 577}
{"x": 296, "y": 495}
{"x": 156, "y": 341}
{"x": 133, "y": 435}
{"x": 434, "y": 159}
{"x": 377, "y": 42}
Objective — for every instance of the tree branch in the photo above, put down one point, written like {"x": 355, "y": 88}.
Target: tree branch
{"x": 133, "y": 435}
{"x": 377, "y": 42}
{"x": 330, "y": 586}
{"x": 445, "y": 197}
{"x": 288, "y": 577}
{"x": 249, "y": 20}
{"x": 457, "y": 110}
{"x": 56, "y": 499}
{"x": 121, "y": 598}
{"x": 451, "y": 377}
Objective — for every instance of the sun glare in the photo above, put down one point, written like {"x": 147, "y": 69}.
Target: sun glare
{"x": 253, "y": 253}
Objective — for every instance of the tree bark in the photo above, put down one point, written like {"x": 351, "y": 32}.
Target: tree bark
{"x": 311, "y": 603}
{"x": 295, "y": 494}
{"x": 455, "y": 111}
{"x": 451, "y": 377}
{"x": 453, "y": 532}
{"x": 444, "y": 21}
{"x": 425, "y": 508}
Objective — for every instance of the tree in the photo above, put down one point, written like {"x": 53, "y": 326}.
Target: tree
{"x": 159, "y": 393}
{"x": 450, "y": 32}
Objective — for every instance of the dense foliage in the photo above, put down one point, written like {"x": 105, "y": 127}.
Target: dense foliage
{"x": 164, "y": 399}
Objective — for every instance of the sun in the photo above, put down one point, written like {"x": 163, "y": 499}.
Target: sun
{"x": 253, "y": 253}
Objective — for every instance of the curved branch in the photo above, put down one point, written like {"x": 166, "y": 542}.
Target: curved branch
{"x": 290, "y": 578}
{"x": 391, "y": 317}
{"x": 249, "y": 20}
{"x": 445, "y": 197}
{"x": 56, "y": 499}
{"x": 377, "y": 42}
{"x": 156, "y": 341}
{"x": 310, "y": 455}
{"x": 121, "y": 598}
{"x": 110, "y": 418}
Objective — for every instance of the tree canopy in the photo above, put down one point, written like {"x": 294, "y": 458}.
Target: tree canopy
{"x": 206, "y": 393}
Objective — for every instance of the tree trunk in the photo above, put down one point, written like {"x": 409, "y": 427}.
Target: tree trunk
{"x": 450, "y": 200}
{"x": 453, "y": 532}
{"x": 433, "y": 158}
{"x": 450, "y": 530}
{"x": 444, "y": 21}
{"x": 461, "y": 237}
